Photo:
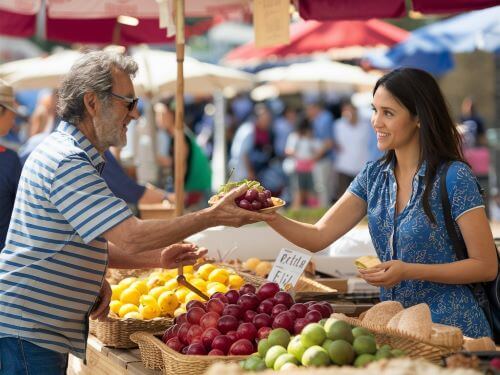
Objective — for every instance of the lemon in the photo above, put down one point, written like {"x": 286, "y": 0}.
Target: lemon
{"x": 141, "y": 286}
{"x": 236, "y": 281}
{"x": 168, "y": 302}
{"x": 127, "y": 308}
{"x": 251, "y": 263}
{"x": 157, "y": 291}
{"x": 130, "y": 295}
{"x": 219, "y": 286}
{"x": 171, "y": 284}
{"x": 188, "y": 269}
{"x": 189, "y": 276}
{"x": 199, "y": 283}
{"x": 179, "y": 311}
{"x": 117, "y": 291}
{"x": 133, "y": 315}
{"x": 146, "y": 299}
{"x": 263, "y": 269}
{"x": 219, "y": 274}
{"x": 127, "y": 281}
{"x": 170, "y": 274}
{"x": 115, "y": 306}
{"x": 155, "y": 281}
{"x": 181, "y": 294}
{"x": 150, "y": 311}
{"x": 191, "y": 296}
{"x": 205, "y": 270}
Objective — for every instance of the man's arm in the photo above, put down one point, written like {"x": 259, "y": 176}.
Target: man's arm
{"x": 169, "y": 257}
{"x": 134, "y": 236}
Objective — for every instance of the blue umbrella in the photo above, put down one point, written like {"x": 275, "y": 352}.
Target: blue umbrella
{"x": 431, "y": 47}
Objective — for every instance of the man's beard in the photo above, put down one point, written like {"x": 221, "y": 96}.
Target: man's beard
{"x": 108, "y": 133}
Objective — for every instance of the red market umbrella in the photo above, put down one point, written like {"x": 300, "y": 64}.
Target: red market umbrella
{"x": 324, "y": 10}
{"x": 312, "y": 36}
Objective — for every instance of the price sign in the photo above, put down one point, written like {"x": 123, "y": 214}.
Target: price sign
{"x": 288, "y": 267}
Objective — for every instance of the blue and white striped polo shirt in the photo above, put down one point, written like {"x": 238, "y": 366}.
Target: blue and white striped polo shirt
{"x": 54, "y": 260}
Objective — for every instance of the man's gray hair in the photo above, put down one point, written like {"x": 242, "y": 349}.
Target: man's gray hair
{"x": 90, "y": 73}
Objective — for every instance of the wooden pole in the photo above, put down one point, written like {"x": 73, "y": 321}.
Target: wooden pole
{"x": 179, "y": 143}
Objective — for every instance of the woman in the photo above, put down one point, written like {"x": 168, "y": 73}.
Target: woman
{"x": 400, "y": 195}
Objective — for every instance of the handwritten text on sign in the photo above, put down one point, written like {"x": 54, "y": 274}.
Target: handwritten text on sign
{"x": 288, "y": 267}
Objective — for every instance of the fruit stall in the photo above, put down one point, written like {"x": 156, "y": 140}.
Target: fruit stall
{"x": 224, "y": 316}
{"x": 234, "y": 320}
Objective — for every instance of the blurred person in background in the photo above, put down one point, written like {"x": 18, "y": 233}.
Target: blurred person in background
{"x": 198, "y": 173}
{"x": 322, "y": 124}
{"x": 10, "y": 166}
{"x": 471, "y": 125}
{"x": 352, "y": 135}
{"x": 303, "y": 149}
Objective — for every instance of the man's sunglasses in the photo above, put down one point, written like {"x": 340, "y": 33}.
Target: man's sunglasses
{"x": 132, "y": 102}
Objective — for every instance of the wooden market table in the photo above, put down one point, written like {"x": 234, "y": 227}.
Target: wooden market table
{"x": 102, "y": 360}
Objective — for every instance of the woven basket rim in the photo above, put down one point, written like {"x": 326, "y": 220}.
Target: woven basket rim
{"x": 151, "y": 338}
{"x": 113, "y": 319}
{"x": 390, "y": 331}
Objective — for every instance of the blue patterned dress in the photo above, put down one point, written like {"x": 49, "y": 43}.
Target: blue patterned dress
{"x": 412, "y": 238}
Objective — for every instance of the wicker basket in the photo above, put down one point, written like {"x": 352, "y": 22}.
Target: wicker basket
{"x": 150, "y": 353}
{"x": 413, "y": 346}
{"x": 175, "y": 363}
{"x": 116, "y": 332}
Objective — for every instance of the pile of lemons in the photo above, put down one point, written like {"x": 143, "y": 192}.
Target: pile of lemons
{"x": 159, "y": 295}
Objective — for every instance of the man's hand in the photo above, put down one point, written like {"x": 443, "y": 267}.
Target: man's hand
{"x": 226, "y": 212}
{"x": 101, "y": 307}
{"x": 386, "y": 274}
{"x": 180, "y": 254}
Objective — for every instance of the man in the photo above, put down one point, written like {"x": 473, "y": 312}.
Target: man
{"x": 67, "y": 226}
{"x": 10, "y": 167}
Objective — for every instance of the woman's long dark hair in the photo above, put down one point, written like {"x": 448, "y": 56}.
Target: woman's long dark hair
{"x": 440, "y": 141}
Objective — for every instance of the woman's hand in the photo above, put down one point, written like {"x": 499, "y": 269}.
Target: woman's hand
{"x": 180, "y": 254}
{"x": 385, "y": 274}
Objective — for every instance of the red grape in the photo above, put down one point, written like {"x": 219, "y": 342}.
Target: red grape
{"x": 251, "y": 195}
{"x": 256, "y": 205}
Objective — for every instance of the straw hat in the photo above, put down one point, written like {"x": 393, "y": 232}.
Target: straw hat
{"x": 7, "y": 99}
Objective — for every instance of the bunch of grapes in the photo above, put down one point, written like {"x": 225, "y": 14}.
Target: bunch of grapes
{"x": 254, "y": 200}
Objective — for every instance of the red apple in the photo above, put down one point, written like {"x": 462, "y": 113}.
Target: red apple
{"x": 183, "y": 331}
{"x": 208, "y": 336}
{"x": 328, "y": 306}
{"x": 284, "y": 298}
{"x": 277, "y": 309}
{"x": 209, "y": 319}
{"x": 266, "y": 306}
{"x": 195, "y": 303}
{"x": 313, "y": 316}
{"x": 194, "y": 332}
{"x": 234, "y": 310}
{"x": 196, "y": 349}
{"x": 220, "y": 296}
{"x": 283, "y": 320}
{"x": 249, "y": 301}
{"x": 232, "y": 296}
{"x": 263, "y": 332}
{"x": 227, "y": 323}
{"x": 241, "y": 347}
{"x": 299, "y": 325}
{"x": 216, "y": 352}
{"x": 181, "y": 319}
{"x": 300, "y": 309}
{"x": 268, "y": 290}
{"x": 215, "y": 305}
{"x": 232, "y": 336}
{"x": 175, "y": 344}
{"x": 222, "y": 343}
{"x": 246, "y": 331}
{"x": 249, "y": 315}
{"x": 247, "y": 288}
{"x": 262, "y": 320}
{"x": 194, "y": 314}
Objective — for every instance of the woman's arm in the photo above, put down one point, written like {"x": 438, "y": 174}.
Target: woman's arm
{"x": 481, "y": 265}
{"x": 339, "y": 219}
